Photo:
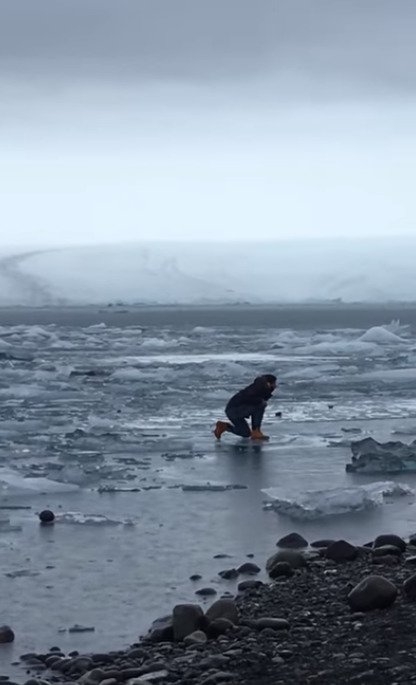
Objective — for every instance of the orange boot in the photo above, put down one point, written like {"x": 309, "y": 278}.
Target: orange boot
{"x": 258, "y": 435}
{"x": 221, "y": 428}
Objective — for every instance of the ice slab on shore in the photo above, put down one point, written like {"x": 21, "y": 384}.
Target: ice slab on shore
{"x": 316, "y": 504}
{"x": 370, "y": 456}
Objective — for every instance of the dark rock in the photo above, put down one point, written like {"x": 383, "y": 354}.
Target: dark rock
{"x": 197, "y": 637}
{"x": 218, "y": 677}
{"x": 103, "y": 658}
{"x": 384, "y": 550}
{"x": 249, "y": 569}
{"x": 46, "y": 516}
{"x": 81, "y": 629}
{"x": 186, "y": 619}
{"x": 294, "y": 558}
{"x": 80, "y": 665}
{"x": 229, "y": 574}
{"x": 206, "y": 592}
{"x": 410, "y": 561}
{"x": 319, "y": 544}
{"x": 374, "y": 592}
{"x": 195, "y": 576}
{"x": 222, "y": 556}
{"x": 162, "y": 629}
{"x": 395, "y": 540}
{"x": 214, "y": 661}
{"x": 281, "y": 569}
{"x": 249, "y": 585}
{"x": 51, "y": 660}
{"x": 409, "y": 588}
{"x": 6, "y": 635}
{"x": 388, "y": 560}
{"x": 272, "y": 623}
{"x": 223, "y": 608}
{"x": 292, "y": 541}
{"x": 341, "y": 551}
{"x": 220, "y": 626}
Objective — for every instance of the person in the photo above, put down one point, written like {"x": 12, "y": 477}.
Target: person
{"x": 248, "y": 403}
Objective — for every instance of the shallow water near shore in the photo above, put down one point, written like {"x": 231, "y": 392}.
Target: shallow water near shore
{"x": 88, "y": 409}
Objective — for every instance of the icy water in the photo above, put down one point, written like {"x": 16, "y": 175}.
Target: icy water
{"x": 106, "y": 418}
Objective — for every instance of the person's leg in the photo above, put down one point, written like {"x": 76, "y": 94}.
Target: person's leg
{"x": 256, "y": 421}
{"x": 257, "y": 417}
{"x": 239, "y": 425}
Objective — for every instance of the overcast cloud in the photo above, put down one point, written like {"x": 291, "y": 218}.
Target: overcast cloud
{"x": 236, "y": 119}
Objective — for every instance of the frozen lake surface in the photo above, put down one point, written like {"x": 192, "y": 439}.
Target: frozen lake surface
{"x": 106, "y": 418}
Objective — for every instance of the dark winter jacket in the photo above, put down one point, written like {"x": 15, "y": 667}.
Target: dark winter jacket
{"x": 253, "y": 395}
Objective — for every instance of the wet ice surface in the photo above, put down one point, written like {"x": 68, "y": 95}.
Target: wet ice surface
{"x": 109, "y": 426}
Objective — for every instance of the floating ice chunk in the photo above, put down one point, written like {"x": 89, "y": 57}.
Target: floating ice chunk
{"x": 13, "y": 483}
{"x": 381, "y": 336}
{"x": 370, "y": 456}
{"x": 78, "y": 518}
{"x": 316, "y": 504}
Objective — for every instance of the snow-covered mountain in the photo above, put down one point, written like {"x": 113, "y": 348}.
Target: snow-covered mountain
{"x": 201, "y": 273}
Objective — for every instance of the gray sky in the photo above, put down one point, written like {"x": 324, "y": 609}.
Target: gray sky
{"x": 188, "y": 119}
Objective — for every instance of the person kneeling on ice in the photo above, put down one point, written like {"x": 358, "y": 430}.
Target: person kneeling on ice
{"x": 248, "y": 403}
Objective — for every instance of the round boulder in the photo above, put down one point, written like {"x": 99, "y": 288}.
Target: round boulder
{"x": 293, "y": 557}
{"x": 249, "y": 569}
{"x": 374, "y": 592}
{"x": 46, "y": 516}
{"x": 395, "y": 540}
{"x": 197, "y": 637}
{"x": 6, "y": 635}
{"x": 281, "y": 570}
{"x": 223, "y": 608}
{"x": 341, "y": 551}
{"x": 384, "y": 550}
{"x": 229, "y": 574}
{"x": 292, "y": 541}
{"x": 186, "y": 619}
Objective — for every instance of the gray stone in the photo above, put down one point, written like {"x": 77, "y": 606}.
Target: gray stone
{"x": 80, "y": 665}
{"x": 249, "y": 585}
{"x": 322, "y": 544}
{"x": 384, "y": 550}
{"x": 155, "y": 677}
{"x": 281, "y": 570}
{"x": 293, "y": 557}
{"x": 410, "y": 561}
{"x": 409, "y": 588}
{"x": 374, "y": 592}
{"x": 249, "y": 568}
{"x": 214, "y": 661}
{"x": 186, "y": 619}
{"x": 220, "y": 626}
{"x": 229, "y": 573}
{"x": 6, "y": 634}
{"x": 388, "y": 560}
{"x": 269, "y": 622}
{"x": 206, "y": 592}
{"x": 292, "y": 541}
{"x": 197, "y": 637}
{"x": 395, "y": 540}
{"x": 223, "y": 608}
{"x": 218, "y": 677}
{"x": 162, "y": 629}
{"x": 341, "y": 551}
{"x": 96, "y": 675}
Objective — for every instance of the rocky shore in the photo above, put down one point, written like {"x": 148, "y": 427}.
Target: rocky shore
{"x": 332, "y": 613}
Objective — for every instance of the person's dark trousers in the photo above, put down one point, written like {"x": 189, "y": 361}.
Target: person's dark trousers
{"x": 237, "y": 416}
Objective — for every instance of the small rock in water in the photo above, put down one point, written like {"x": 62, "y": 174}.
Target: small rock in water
{"x": 81, "y": 629}
{"x": 249, "y": 568}
{"x": 229, "y": 574}
{"x": 6, "y": 635}
{"x": 195, "y": 577}
{"x": 206, "y": 592}
{"x": 374, "y": 592}
{"x": 292, "y": 541}
{"x": 46, "y": 516}
{"x": 222, "y": 556}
